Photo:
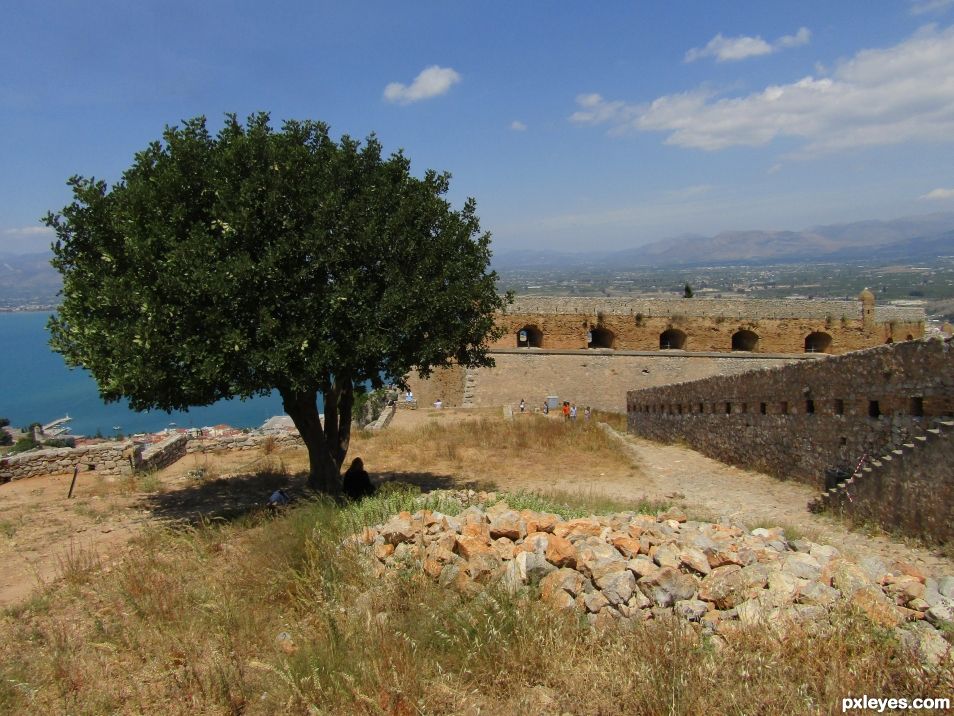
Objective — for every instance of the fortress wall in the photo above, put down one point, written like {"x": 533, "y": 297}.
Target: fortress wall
{"x": 798, "y": 420}
{"x": 709, "y": 324}
{"x": 599, "y": 379}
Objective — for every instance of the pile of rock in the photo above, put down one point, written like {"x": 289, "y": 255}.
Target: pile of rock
{"x": 629, "y": 567}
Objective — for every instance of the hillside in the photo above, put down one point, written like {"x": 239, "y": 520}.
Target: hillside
{"x": 910, "y": 238}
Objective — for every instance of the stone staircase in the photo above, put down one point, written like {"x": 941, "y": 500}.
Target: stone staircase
{"x": 841, "y": 492}
{"x": 470, "y": 388}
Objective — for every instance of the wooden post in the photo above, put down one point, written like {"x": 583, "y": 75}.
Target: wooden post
{"x": 73, "y": 483}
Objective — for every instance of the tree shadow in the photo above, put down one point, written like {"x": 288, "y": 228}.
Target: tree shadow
{"x": 225, "y": 498}
{"x": 236, "y": 496}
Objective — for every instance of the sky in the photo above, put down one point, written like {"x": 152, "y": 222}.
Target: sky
{"x": 576, "y": 126}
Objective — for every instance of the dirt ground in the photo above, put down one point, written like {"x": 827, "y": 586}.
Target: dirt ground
{"x": 42, "y": 532}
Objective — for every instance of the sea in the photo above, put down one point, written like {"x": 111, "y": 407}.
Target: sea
{"x": 36, "y": 386}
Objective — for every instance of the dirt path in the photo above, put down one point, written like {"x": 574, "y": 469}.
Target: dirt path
{"x": 711, "y": 488}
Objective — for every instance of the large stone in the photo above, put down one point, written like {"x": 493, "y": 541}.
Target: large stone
{"x": 535, "y": 542}
{"x": 400, "y": 529}
{"x": 802, "y": 565}
{"x": 782, "y": 588}
{"x": 532, "y": 566}
{"x": 690, "y": 609}
{"x": 565, "y": 580}
{"x": 595, "y": 559}
{"x": 875, "y": 569}
{"x": 468, "y": 547}
{"x": 728, "y": 586}
{"x": 823, "y": 552}
{"x": 540, "y": 521}
{"x": 723, "y": 558}
{"x": 942, "y": 613}
{"x": 481, "y": 530}
{"x": 930, "y": 647}
{"x": 667, "y": 555}
{"x": 593, "y": 601}
{"x": 617, "y": 587}
{"x": 872, "y": 602}
{"x": 472, "y": 515}
{"x": 668, "y": 586}
{"x": 508, "y": 524}
{"x": 483, "y": 567}
{"x": 642, "y": 566}
{"x": 628, "y": 546}
{"x": 578, "y": 529}
{"x": 695, "y": 559}
{"x": 817, "y": 594}
{"x": 504, "y": 548}
{"x": 945, "y": 585}
{"x": 847, "y": 577}
{"x": 560, "y": 551}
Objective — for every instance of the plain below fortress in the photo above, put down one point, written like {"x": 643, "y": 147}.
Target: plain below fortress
{"x": 591, "y": 351}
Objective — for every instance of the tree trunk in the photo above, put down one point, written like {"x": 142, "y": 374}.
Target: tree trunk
{"x": 345, "y": 403}
{"x": 302, "y": 407}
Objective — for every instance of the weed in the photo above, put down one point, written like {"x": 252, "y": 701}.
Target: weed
{"x": 7, "y": 528}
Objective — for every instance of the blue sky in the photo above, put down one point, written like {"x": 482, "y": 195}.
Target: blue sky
{"x": 576, "y": 126}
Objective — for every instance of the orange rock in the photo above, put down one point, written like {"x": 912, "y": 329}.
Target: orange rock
{"x": 635, "y": 531}
{"x": 876, "y": 606}
{"x": 432, "y": 568}
{"x": 582, "y": 527}
{"x": 468, "y": 546}
{"x": 908, "y": 569}
{"x": 560, "y": 552}
{"x": 504, "y": 548}
{"x": 383, "y": 551}
{"x": 481, "y": 530}
{"x": 627, "y": 545}
{"x": 534, "y": 542}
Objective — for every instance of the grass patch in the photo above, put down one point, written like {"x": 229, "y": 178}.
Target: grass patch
{"x": 276, "y": 614}
{"x": 7, "y": 529}
{"x": 570, "y": 505}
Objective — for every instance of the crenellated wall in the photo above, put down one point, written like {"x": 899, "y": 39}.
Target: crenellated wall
{"x": 798, "y": 420}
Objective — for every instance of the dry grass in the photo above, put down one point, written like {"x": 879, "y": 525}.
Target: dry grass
{"x": 272, "y": 615}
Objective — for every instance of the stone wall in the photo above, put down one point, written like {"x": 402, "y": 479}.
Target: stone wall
{"x": 110, "y": 458}
{"x": 161, "y": 454}
{"x": 703, "y": 324}
{"x": 246, "y": 441}
{"x": 599, "y": 379}
{"x": 796, "y": 421}
{"x": 910, "y": 489}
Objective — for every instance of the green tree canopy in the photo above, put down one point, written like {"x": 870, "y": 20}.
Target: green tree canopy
{"x": 252, "y": 260}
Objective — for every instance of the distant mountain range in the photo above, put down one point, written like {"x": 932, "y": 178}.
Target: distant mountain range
{"x": 29, "y": 278}
{"x": 912, "y": 238}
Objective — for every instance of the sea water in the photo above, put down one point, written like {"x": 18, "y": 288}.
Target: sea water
{"x": 36, "y": 386}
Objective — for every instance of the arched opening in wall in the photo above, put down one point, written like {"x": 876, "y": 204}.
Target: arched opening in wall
{"x": 529, "y": 337}
{"x": 672, "y": 339}
{"x": 601, "y": 338}
{"x": 909, "y": 338}
{"x": 890, "y": 340}
{"x": 817, "y": 342}
{"x": 744, "y": 340}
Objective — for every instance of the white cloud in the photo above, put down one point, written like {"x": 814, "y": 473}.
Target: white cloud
{"x": 731, "y": 49}
{"x": 879, "y": 96}
{"x": 518, "y": 126}
{"x": 29, "y": 231}
{"x": 433, "y": 81}
{"x": 921, "y": 7}
{"x": 938, "y": 195}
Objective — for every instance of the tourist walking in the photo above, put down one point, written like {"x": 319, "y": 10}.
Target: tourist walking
{"x": 587, "y": 413}
{"x": 573, "y": 412}
{"x": 566, "y": 410}
{"x": 523, "y": 406}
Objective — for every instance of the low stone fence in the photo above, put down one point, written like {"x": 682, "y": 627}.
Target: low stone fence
{"x": 161, "y": 454}
{"x": 249, "y": 441}
{"x": 112, "y": 458}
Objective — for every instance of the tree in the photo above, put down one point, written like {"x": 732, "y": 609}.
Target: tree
{"x": 687, "y": 291}
{"x": 231, "y": 265}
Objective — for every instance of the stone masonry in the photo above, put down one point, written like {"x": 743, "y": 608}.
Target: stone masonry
{"x": 704, "y": 324}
